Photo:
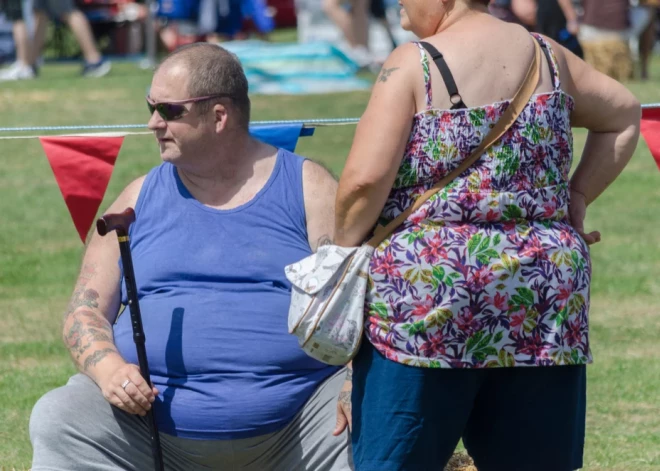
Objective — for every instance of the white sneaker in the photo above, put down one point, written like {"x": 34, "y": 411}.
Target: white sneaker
{"x": 17, "y": 71}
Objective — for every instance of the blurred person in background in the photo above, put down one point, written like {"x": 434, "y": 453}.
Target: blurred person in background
{"x": 352, "y": 18}
{"x": 643, "y": 30}
{"x": 558, "y": 20}
{"x": 28, "y": 49}
{"x": 604, "y": 37}
{"x": 525, "y": 11}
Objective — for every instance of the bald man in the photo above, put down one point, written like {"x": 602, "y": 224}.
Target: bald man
{"x": 216, "y": 224}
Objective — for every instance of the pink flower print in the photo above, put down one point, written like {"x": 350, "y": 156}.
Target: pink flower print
{"x": 434, "y": 346}
{"x": 517, "y": 319}
{"x": 532, "y": 248}
{"x": 467, "y": 323}
{"x": 492, "y": 215}
{"x": 549, "y": 209}
{"x": 418, "y": 216}
{"x": 499, "y": 301}
{"x": 470, "y": 199}
{"x": 534, "y": 346}
{"x": 573, "y": 333}
{"x": 422, "y": 308}
{"x": 481, "y": 278}
{"x": 386, "y": 265}
{"x": 565, "y": 291}
{"x": 434, "y": 250}
{"x": 485, "y": 183}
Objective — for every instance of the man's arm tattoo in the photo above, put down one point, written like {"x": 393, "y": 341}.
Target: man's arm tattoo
{"x": 81, "y": 295}
{"x": 96, "y": 357}
{"x": 324, "y": 240}
{"x": 385, "y": 73}
{"x": 345, "y": 399}
{"x": 349, "y": 373}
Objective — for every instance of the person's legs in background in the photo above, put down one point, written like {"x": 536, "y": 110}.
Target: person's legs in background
{"x": 354, "y": 25}
{"x": 76, "y": 20}
{"x": 22, "y": 68}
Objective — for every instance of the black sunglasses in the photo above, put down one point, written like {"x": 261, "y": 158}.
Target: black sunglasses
{"x": 173, "y": 110}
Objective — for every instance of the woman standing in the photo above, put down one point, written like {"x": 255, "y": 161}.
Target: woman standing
{"x": 477, "y": 312}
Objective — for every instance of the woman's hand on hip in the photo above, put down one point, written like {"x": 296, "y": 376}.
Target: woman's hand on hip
{"x": 577, "y": 211}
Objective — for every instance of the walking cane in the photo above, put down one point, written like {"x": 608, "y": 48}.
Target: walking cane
{"x": 120, "y": 222}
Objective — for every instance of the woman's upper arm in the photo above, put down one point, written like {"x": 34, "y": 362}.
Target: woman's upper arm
{"x": 384, "y": 128}
{"x": 601, "y": 103}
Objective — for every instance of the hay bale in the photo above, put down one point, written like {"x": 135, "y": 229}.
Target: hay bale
{"x": 460, "y": 462}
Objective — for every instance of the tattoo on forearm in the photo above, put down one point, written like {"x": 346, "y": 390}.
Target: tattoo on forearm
{"x": 349, "y": 374}
{"x": 96, "y": 357}
{"x": 86, "y": 328}
{"x": 324, "y": 240}
{"x": 385, "y": 74}
{"x": 81, "y": 295}
{"x": 345, "y": 399}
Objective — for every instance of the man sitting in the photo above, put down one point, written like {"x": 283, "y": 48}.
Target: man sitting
{"x": 216, "y": 224}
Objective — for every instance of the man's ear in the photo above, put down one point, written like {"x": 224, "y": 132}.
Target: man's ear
{"x": 221, "y": 117}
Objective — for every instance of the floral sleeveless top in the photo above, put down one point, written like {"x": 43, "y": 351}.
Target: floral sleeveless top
{"x": 488, "y": 272}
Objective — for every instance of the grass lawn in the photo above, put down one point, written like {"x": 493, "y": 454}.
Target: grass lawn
{"x": 40, "y": 254}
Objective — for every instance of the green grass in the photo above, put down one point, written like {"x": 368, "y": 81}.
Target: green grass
{"x": 40, "y": 252}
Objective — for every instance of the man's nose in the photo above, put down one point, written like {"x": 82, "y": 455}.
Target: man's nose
{"x": 156, "y": 121}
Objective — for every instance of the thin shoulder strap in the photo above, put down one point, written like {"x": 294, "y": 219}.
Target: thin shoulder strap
{"x": 552, "y": 61}
{"x": 450, "y": 83}
{"x": 516, "y": 106}
{"x": 427, "y": 76}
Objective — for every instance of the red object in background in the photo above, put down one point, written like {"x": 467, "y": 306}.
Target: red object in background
{"x": 285, "y": 12}
{"x": 82, "y": 166}
{"x": 650, "y": 128}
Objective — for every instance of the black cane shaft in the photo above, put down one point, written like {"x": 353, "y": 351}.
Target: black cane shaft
{"x": 120, "y": 222}
{"x": 139, "y": 339}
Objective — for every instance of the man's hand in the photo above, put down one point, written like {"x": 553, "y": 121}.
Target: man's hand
{"x": 344, "y": 408}
{"x": 577, "y": 211}
{"x": 135, "y": 397}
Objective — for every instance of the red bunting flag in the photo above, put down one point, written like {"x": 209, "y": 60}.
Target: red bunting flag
{"x": 650, "y": 128}
{"x": 82, "y": 166}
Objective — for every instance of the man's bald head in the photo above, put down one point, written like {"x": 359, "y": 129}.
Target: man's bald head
{"x": 212, "y": 70}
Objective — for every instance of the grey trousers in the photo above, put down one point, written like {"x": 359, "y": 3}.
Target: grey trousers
{"x": 74, "y": 428}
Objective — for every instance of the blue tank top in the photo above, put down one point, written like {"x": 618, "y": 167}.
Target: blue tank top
{"x": 214, "y": 301}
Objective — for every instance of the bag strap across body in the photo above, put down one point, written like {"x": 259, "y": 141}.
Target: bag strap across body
{"x": 517, "y": 104}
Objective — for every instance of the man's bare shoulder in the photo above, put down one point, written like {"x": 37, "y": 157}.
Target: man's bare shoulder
{"x": 129, "y": 196}
{"x": 317, "y": 175}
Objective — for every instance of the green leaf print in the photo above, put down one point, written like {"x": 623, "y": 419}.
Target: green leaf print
{"x": 532, "y": 132}
{"x": 496, "y": 240}
{"x": 473, "y": 243}
{"x": 380, "y": 309}
{"x": 486, "y": 256}
{"x": 575, "y": 304}
{"x": 479, "y": 346}
{"x": 512, "y": 212}
{"x": 439, "y": 317}
{"x": 498, "y": 337}
{"x": 407, "y": 176}
{"x": 477, "y": 116}
{"x": 508, "y": 161}
{"x": 435, "y": 364}
{"x": 560, "y": 317}
{"x": 575, "y": 357}
{"x": 505, "y": 358}
{"x": 415, "y": 328}
{"x": 530, "y": 321}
